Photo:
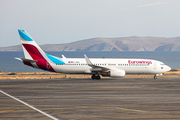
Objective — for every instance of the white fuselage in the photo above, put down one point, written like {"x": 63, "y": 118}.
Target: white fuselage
{"x": 130, "y": 66}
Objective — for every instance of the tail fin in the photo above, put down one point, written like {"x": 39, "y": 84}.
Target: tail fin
{"x": 33, "y": 52}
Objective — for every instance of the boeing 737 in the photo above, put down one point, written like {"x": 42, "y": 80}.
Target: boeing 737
{"x": 118, "y": 68}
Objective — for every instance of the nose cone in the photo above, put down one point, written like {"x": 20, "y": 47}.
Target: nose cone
{"x": 168, "y": 68}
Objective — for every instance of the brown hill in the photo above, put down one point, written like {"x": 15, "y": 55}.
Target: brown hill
{"x": 133, "y": 43}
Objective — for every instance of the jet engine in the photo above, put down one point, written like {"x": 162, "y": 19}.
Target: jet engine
{"x": 118, "y": 73}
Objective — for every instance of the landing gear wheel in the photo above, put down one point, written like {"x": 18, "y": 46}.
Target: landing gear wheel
{"x": 93, "y": 77}
{"x": 155, "y": 77}
{"x": 98, "y": 77}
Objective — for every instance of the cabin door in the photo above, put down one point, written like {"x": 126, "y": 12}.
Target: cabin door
{"x": 154, "y": 65}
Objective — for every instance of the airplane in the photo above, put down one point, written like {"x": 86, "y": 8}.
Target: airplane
{"x": 117, "y": 68}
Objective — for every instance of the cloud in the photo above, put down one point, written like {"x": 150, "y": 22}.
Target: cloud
{"x": 152, "y": 4}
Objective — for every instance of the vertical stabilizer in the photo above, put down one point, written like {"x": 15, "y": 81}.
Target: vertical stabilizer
{"x": 34, "y": 55}
{"x": 30, "y": 48}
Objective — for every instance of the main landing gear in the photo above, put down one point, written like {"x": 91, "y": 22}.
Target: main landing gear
{"x": 155, "y": 77}
{"x": 95, "y": 77}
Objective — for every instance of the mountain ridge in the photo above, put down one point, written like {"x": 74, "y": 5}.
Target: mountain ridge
{"x": 133, "y": 43}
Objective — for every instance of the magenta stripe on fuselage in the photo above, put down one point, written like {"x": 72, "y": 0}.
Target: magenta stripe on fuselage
{"x": 36, "y": 55}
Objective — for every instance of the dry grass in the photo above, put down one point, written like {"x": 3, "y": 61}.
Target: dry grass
{"x": 44, "y": 75}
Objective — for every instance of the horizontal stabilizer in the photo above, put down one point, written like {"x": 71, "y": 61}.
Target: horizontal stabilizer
{"x": 25, "y": 60}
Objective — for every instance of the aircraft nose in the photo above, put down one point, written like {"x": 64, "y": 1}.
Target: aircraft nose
{"x": 168, "y": 68}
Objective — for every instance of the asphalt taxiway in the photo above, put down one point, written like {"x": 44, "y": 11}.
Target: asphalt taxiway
{"x": 106, "y": 99}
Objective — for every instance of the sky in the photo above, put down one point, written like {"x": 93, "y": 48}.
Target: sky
{"x": 64, "y": 21}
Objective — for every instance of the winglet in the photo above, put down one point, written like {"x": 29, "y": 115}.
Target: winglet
{"x": 63, "y": 57}
{"x": 88, "y": 61}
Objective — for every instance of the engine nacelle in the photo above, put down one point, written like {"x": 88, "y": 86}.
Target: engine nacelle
{"x": 117, "y": 73}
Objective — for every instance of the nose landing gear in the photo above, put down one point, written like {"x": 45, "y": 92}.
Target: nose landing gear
{"x": 155, "y": 77}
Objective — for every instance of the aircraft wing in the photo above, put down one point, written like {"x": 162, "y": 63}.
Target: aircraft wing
{"x": 95, "y": 67}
